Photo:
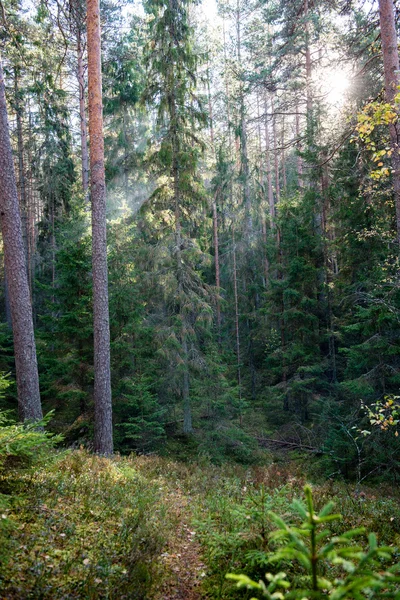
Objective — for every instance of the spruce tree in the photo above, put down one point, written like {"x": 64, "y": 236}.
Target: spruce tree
{"x": 171, "y": 63}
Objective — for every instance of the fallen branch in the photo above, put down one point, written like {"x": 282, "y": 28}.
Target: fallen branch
{"x": 294, "y": 445}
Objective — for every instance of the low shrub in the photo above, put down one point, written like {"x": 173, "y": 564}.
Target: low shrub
{"x": 320, "y": 565}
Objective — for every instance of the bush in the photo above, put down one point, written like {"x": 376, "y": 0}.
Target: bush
{"x": 22, "y": 444}
{"x": 333, "y": 567}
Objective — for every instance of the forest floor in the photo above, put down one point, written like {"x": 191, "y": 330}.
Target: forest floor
{"x": 80, "y": 526}
{"x": 182, "y": 556}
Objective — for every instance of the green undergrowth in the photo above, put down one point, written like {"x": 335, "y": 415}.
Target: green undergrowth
{"x": 81, "y": 526}
{"x": 234, "y": 524}
{"x": 74, "y": 525}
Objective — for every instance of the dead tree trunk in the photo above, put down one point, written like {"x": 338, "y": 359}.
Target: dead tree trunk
{"x": 16, "y": 274}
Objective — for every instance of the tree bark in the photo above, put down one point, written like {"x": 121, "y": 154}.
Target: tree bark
{"x": 227, "y": 101}
{"x": 244, "y": 159}
{"x": 7, "y": 309}
{"x": 21, "y": 171}
{"x": 309, "y": 99}
{"x": 263, "y": 178}
{"x": 237, "y": 332}
{"x": 298, "y": 145}
{"x": 392, "y": 81}
{"x": 276, "y": 156}
{"x": 216, "y": 259}
{"x": 187, "y": 408}
{"x": 126, "y": 155}
{"x": 103, "y": 439}
{"x": 210, "y": 110}
{"x": 284, "y": 179}
{"x": 82, "y": 116}
{"x": 16, "y": 274}
{"x": 271, "y": 201}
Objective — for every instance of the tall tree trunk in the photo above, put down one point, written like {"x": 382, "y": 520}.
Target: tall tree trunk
{"x": 244, "y": 159}
{"x": 103, "y": 440}
{"x": 228, "y": 111}
{"x": 32, "y": 213}
{"x": 298, "y": 146}
{"x": 283, "y": 160}
{"x": 237, "y": 332}
{"x": 187, "y": 409}
{"x": 276, "y": 155}
{"x": 263, "y": 179}
{"x": 82, "y": 115}
{"x": 309, "y": 99}
{"x": 16, "y": 274}
{"x": 21, "y": 170}
{"x": 210, "y": 110}
{"x": 126, "y": 155}
{"x": 7, "y": 309}
{"x": 392, "y": 81}
{"x": 271, "y": 201}
{"x": 216, "y": 259}
{"x": 53, "y": 252}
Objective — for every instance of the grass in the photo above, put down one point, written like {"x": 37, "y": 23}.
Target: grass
{"x": 81, "y": 526}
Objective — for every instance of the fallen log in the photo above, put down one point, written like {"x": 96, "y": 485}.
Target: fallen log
{"x": 290, "y": 445}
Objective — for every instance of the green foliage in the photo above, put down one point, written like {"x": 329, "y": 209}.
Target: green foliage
{"x": 23, "y": 444}
{"x": 84, "y": 527}
{"x": 384, "y": 414}
{"x": 141, "y": 415}
{"x": 65, "y": 340}
{"x": 334, "y": 566}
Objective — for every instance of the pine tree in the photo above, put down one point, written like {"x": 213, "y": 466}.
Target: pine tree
{"x": 391, "y": 69}
{"x": 21, "y": 309}
{"x": 102, "y": 376}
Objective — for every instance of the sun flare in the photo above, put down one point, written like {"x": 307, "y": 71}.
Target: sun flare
{"x": 337, "y": 83}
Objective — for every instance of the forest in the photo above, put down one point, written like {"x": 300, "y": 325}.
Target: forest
{"x": 199, "y": 299}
